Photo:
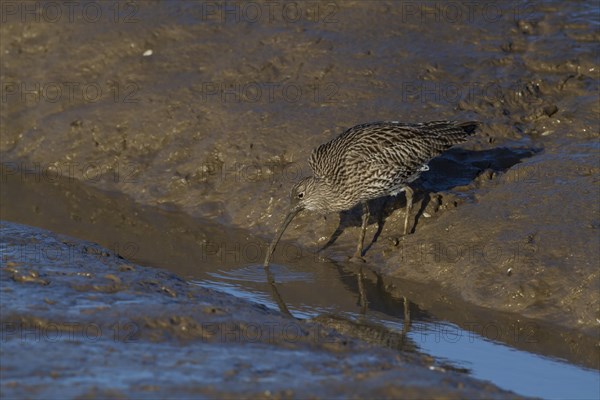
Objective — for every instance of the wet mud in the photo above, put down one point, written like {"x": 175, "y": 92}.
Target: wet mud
{"x": 73, "y": 311}
{"x": 171, "y": 133}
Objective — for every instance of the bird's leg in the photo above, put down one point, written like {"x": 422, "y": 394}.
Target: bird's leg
{"x": 406, "y": 326}
{"x": 409, "y": 200}
{"x": 362, "y": 295}
{"x": 361, "y": 237}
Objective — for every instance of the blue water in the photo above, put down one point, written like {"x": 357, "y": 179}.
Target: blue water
{"x": 522, "y": 372}
{"x": 509, "y": 368}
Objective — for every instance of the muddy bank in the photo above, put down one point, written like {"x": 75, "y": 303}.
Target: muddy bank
{"x": 217, "y": 113}
{"x": 96, "y": 325}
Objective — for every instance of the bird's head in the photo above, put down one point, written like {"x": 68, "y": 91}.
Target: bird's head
{"x": 310, "y": 194}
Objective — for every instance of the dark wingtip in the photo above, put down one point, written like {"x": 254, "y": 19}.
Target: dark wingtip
{"x": 470, "y": 127}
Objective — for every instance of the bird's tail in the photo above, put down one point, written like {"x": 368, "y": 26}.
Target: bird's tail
{"x": 453, "y": 132}
{"x": 469, "y": 127}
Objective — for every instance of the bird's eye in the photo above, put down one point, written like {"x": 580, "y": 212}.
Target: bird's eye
{"x": 300, "y": 195}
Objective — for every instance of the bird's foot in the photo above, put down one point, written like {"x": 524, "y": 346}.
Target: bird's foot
{"x": 357, "y": 259}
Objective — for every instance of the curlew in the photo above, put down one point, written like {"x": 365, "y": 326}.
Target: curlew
{"x": 369, "y": 161}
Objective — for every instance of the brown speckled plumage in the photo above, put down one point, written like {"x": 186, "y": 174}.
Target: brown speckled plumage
{"x": 369, "y": 161}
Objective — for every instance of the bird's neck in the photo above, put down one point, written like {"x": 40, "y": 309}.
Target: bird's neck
{"x": 325, "y": 197}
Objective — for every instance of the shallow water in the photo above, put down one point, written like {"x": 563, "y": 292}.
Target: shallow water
{"x": 520, "y": 371}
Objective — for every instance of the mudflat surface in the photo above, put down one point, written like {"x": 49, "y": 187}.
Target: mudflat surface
{"x": 220, "y": 119}
{"x": 212, "y": 110}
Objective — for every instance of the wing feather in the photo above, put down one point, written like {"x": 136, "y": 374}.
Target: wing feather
{"x": 381, "y": 152}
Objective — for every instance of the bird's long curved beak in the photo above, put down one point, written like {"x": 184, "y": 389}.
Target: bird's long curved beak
{"x": 289, "y": 217}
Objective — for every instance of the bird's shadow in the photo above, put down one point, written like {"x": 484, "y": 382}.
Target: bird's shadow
{"x": 456, "y": 167}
